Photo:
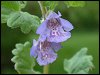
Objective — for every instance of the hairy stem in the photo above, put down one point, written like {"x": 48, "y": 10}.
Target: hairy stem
{"x": 43, "y": 9}
{"x": 46, "y": 69}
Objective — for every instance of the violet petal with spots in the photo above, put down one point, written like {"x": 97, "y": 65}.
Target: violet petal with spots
{"x": 44, "y": 51}
{"x": 55, "y": 29}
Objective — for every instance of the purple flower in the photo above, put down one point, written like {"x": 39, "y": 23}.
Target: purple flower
{"x": 54, "y": 28}
{"x": 44, "y": 51}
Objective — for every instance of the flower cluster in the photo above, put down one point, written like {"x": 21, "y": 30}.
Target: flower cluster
{"x": 52, "y": 31}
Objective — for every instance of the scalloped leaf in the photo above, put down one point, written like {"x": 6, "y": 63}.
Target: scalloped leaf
{"x": 4, "y": 17}
{"x": 8, "y": 7}
{"x": 23, "y": 62}
{"x": 24, "y": 20}
{"x": 80, "y": 63}
{"x": 75, "y": 3}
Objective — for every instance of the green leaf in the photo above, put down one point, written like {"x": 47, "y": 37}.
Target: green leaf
{"x": 50, "y": 4}
{"x": 12, "y": 5}
{"x": 80, "y": 63}
{"x": 75, "y": 3}
{"x": 8, "y": 7}
{"x": 22, "y": 4}
{"x": 4, "y": 14}
{"x": 23, "y": 62}
{"x": 23, "y": 20}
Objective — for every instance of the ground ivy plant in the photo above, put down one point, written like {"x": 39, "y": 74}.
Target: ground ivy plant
{"x": 52, "y": 30}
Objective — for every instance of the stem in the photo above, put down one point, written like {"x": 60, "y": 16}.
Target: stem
{"x": 43, "y": 10}
{"x": 46, "y": 69}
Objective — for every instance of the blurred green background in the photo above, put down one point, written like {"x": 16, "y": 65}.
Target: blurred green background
{"x": 85, "y": 34}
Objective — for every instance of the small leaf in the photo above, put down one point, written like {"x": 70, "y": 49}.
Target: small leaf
{"x": 75, "y": 3}
{"x": 23, "y": 62}
{"x": 50, "y": 4}
{"x": 23, "y": 20}
{"x": 80, "y": 63}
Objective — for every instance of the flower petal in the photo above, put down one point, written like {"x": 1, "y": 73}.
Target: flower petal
{"x": 42, "y": 28}
{"x": 33, "y": 51}
{"x": 66, "y": 24}
{"x": 42, "y": 38}
{"x": 60, "y": 38}
{"x": 34, "y": 48}
{"x": 44, "y": 35}
{"x": 59, "y": 14}
{"x": 55, "y": 46}
{"x": 40, "y": 61}
{"x": 51, "y": 57}
{"x": 35, "y": 43}
{"x": 53, "y": 15}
